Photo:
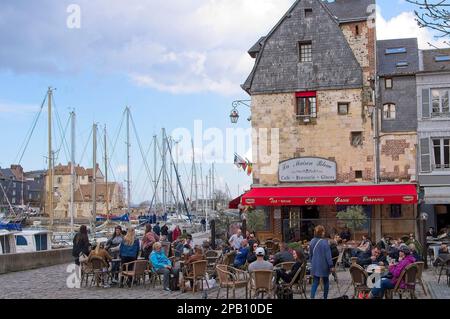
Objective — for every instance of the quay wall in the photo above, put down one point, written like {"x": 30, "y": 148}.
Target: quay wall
{"x": 26, "y": 261}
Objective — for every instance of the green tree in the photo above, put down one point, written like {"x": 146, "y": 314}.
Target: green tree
{"x": 255, "y": 220}
{"x": 353, "y": 217}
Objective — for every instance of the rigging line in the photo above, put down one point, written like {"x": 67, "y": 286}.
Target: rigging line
{"x": 63, "y": 136}
{"x": 110, "y": 159}
{"x": 30, "y": 133}
{"x": 85, "y": 147}
{"x": 142, "y": 166}
{"x": 141, "y": 149}
{"x": 118, "y": 134}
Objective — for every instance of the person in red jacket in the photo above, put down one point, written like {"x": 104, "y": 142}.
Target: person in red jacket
{"x": 176, "y": 233}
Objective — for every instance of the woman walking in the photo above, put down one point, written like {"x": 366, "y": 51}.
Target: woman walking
{"x": 321, "y": 262}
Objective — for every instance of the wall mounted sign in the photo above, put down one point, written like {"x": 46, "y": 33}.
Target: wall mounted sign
{"x": 307, "y": 169}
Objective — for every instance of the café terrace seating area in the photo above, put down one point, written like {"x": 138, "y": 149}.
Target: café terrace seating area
{"x": 215, "y": 277}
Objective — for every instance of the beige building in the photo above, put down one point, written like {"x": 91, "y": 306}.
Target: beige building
{"x": 111, "y": 193}
{"x": 313, "y": 94}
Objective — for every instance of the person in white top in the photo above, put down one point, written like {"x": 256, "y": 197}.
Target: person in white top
{"x": 236, "y": 240}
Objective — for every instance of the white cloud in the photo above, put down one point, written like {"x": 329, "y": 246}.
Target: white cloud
{"x": 404, "y": 25}
{"x": 9, "y": 108}
{"x": 121, "y": 169}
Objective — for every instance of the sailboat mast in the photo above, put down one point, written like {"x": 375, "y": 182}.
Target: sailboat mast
{"x": 72, "y": 169}
{"x": 50, "y": 157}
{"x": 94, "y": 178}
{"x": 155, "y": 146}
{"x": 212, "y": 188}
{"x": 176, "y": 170}
{"x": 128, "y": 161}
{"x": 164, "y": 170}
{"x": 106, "y": 176}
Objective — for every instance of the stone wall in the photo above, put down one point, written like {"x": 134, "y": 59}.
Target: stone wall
{"x": 27, "y": 261}
{"x": 329, "y": 137}
{"x": 398, "y": 157}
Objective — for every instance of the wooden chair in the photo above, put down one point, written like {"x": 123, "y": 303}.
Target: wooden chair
{"x": 198, "y": 273}
{"x": 136, "y": 270}
{"x": 229, "y": 258}
{"x": 420, "y": 266}
{"x": 153, "y": 276}
{"x": 261, "y": 282}
{"x": 298, "y": 282}
{"x": 287, "y": 266}
{"x": 445, "y": 267}
{"x": 230, "y": 277}
{"x": 359, "y": 279}
{"x": 95, "y": 268}
{"x": 409, "y": 278}
{"x": 270, "y": 246}
{"x": 212, "y": 257}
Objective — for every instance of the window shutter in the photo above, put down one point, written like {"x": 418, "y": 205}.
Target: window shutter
{"x": 425, "y": 155}
{"x": 426, "y": 111}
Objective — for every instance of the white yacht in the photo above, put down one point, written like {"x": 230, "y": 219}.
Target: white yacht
{"x": 7, "y": 242}
{"x": 32, "y": 240}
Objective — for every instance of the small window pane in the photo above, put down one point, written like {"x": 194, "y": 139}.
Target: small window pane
{"x": 442, "y": 58}
{"x": 447, "y": 153}
{"x": 342, "y": 108}
{"x": 445, "y": 104}
{"x": 389, "y": 112}
{"x": 388, "y": 83}
{"x": 437, "y": 153}
{"x": 305, "y": 52}
{"x": 395, "y": 50}
{"x": 357, "y": 138}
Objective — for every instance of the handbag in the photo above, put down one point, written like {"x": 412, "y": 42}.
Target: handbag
{"x": 83, "y": 258}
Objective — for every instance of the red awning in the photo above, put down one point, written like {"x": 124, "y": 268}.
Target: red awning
{"x": 234, "y": 204}
{"x": 332, "y": 195}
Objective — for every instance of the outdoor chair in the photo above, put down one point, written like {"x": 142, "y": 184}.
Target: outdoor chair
{"x": 135, "y": 271}
{"x": 409, "y": 278}
{"x": 286, "y": 265}
{"x": 228, "y": 258}
{"x": 270, "y": 246}
{"x": 233, "y": 278}
{"x": 153, "y": 276}
{"x": 359, "y": 279}
{"x": 95, "y": 268}
{"x": 420, "y": 266}
{"x": 261, "y": 282}
{"x": 444, "y": 267}
{"x": 213, "y": 258}
{"x": 298, "y": 282}
{"x": 340, "y": 260}
{"x": 198, "y": 273}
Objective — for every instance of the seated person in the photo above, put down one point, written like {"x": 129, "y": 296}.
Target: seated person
{"x": 346, "y": 235}
{"x": 287, "y": 277}
{"x": 100, "y": 251}
{"x": 405, "y": 259}
{"x": 283, "y": 255}
{"x": 241, "y": 256}
{"x": 260, "y": 263}
{"x": 162, "y": 265}
{"x": 442, "y": 255}
{"x": 413, "y": 241}
{"x": 252, "y": 239}
{"x": 384, "y": 243}
{"x": 431, "y": 233}
{"x": 197, "y": 256}
{"x": 252, "y": 253}
{"x": 364, "y": 248}
{"x": 334, "y": 251}
{"x": 377, "y": 258}
{"x": 414, "y": 253}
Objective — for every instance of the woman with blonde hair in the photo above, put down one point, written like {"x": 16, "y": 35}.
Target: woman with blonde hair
{"x": 321, "y": 261}
{"x": 129, "y": 248}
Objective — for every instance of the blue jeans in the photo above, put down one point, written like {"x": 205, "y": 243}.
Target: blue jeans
{"x": 315, "y": 285}
{"x": 385, "y": 284}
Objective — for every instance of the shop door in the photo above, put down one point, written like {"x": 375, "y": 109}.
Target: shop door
{"x": 442, "y": 216}
{"x": 310, "y": 218}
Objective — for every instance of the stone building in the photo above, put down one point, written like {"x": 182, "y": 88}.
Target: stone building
{"x": 433, "y": 90}
{"x": 83, "y": 192}
{"x": 313, "y": 99}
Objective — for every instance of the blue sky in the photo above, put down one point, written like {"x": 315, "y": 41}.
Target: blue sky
{"x": 173, "y": 62}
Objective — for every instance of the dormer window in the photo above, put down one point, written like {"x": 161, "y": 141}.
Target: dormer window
{"x": 402, "y": 64}
{"x": 442, "y": 58}
{"x": 395, "y": 51}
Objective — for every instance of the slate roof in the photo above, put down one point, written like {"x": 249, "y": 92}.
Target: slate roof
{"x": 277, "y": 68}
{"x": 431, "y": 65}
{"x": 7, "y": 173}
{"x": 387, "y": 63}
{"x": 350, "y": 10}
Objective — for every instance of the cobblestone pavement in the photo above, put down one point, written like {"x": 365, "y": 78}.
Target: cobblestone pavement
{"x": 51, "y": 283}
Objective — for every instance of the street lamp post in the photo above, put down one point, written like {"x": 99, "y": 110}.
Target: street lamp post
{"x": 234, "y": 115}
{"x": 423, "y": 222}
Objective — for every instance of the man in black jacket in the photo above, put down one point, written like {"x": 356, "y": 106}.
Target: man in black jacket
{"x": 378, "y": 257}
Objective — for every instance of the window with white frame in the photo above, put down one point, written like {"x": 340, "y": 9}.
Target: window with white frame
{"x": 440, "y": 101}
{"x": 306, "y": 107}
{"x": 441, "y": 152}
{"x": 305, "y": 51}
{"x": 389, "y": 111}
